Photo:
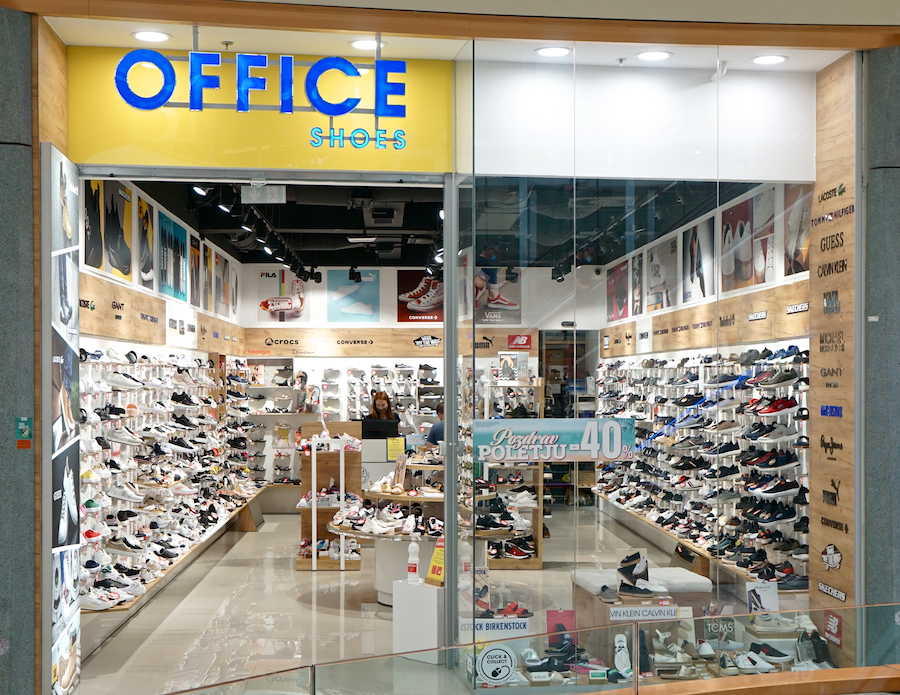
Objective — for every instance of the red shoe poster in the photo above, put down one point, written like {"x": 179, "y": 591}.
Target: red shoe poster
{"x": 617, "y": 292}
{"x": 420, "y": 297}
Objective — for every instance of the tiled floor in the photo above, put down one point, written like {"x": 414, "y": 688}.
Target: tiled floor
{"x": 242, "y": 610}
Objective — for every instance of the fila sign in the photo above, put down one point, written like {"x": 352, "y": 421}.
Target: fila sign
{"x": 202, "y": 77}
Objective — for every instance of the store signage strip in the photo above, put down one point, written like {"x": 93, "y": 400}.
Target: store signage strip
{"x": 556, "y": 439}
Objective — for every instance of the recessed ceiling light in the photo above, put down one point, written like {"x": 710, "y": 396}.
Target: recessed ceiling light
{"x": 151, "y": 36}
{"x": 654, "y": 55}
{"x": 366, "y": 44}
{"x": 553, "y": 51}
{"x": 769, "y": 60}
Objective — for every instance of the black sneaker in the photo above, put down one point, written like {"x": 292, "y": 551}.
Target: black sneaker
{"x": 117, "y": 249}
{"x": 186, "y": 422}
{"x": 628, "y": 591}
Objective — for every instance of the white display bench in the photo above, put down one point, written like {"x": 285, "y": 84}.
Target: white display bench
{"x": 418, "y": 621}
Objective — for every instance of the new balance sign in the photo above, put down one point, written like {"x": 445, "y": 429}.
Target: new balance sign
{"x": 518, "y": 342}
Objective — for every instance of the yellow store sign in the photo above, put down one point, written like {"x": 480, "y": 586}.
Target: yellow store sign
{"x": 250, "y": 111}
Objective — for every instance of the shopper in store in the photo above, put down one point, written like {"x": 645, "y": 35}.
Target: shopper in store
{"x": 382, "y": 408}
{"x": 436, "y": 433}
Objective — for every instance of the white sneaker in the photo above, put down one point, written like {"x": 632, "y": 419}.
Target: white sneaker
{"x": 115, "y": 356}
{"x": 430, "y": 300}
{"x": 93, "y": 601}
{"x": 358, "y": 309}
{"x": 124, "y": 436}
{"x": 120, "y": 492}
{"x": 119, "y": 382}
{"x": 343, "y": 291}
{"x": 744, "y": 665}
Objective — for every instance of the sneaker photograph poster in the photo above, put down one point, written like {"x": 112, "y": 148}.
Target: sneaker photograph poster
{"x": 637, "y": 284}
{"x": 222, "y": 274}
{"x": 354, "y": 302}
{"x": 146, "y": 243}
{"x": 662, "y": 275}
{"x": 194, "y": 266}
{"x": 420, "y": 297}
{"x": 92, "y": 231}
{"x": 505, "y": 306}
{"x": 280, "y": 295}
{"x": 66, "y": 497}
{"x": 172, "y": 258}
{"x": 64, "y": 392}
{"x": 207, "y": 278}
{"x": 117, "y": 230}
{"x": 748, "y": 242}
{"x": 698, "y": 277}
{"x": 797, "y": 205}
{"x": 617, "y": 292}
{"x": 65, "y": 204}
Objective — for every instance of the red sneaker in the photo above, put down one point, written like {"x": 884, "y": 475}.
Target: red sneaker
{"x": 501, "y": 302}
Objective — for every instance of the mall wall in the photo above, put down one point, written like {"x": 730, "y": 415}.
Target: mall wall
{"x": 666, "y": 123}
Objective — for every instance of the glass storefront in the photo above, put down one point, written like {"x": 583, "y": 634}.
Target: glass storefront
{"x": 648, "y": 266}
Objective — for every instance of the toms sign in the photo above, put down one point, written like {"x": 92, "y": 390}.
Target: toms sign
{"x": 200, "y": 81}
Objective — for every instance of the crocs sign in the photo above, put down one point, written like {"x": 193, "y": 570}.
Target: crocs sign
{"x": 202, "y": 77}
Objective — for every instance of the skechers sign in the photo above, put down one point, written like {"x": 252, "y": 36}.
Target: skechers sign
{"x": 202, "y": 78}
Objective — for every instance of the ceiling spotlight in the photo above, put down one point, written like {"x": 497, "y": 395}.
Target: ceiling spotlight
{"x": 354, "y": 275}
{"x": 224, "y": 208}
{"x": 441, "y": 214}
{"x": 654, "y": 55}
{"x": 439, "y": 256}
{"x": 366, "y": 44}
{"x": 429, "y": 270}
{"x": 305, "y": 274}
{"x": 316, "y": 275}
{"x": 286, "y": 265}
{"x": 201, "y": 191}
{"x": 553, "y": 51}
{"x": 280, "y": 257}
{"x": 152, "y": 36}
{"x": 268, "y": 250}
{"x": 769, "y": 60}
{"x": 557, "y": 274}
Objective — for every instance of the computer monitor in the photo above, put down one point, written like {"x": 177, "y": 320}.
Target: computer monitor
{"x": 380, "y": 429}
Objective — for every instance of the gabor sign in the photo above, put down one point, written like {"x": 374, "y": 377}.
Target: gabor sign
{"x": 200, "y": 80}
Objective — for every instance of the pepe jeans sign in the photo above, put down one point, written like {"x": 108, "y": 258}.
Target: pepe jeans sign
{"x": 554, "y": 440}
{"x": 201, "y": 80}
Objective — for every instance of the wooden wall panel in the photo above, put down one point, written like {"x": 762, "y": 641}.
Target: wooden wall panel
{"x": 111, "y": 310}
{"x": 341, "y": 342}
{"x": 487, "y": 341}
{"x": 218, "y": 335}
{"x": 620, "y": 344}
{"x": 832, "y": 388}
{"x": 52, "y": 88}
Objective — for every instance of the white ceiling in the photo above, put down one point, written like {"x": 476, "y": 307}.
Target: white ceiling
{"x": 92, "y": 32}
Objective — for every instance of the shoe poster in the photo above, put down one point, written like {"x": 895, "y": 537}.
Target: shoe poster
{"x": 117, "y": 229}
{"x": 617, "y": 292}
{"x": 764, "y": 236}
{"x": 64, "y": 529}
{"x": 64, "y": 299}
{"x": 354, "y": 302}
{"x": 207, "y": 278}
{"x": 762, "y": 597}
{"x": 64, "y": 203}
{"x": 64, "y": 391}
{"x": 748, "y": 242}
{"x": 145, "y": 242}
{"x": 637, "y": 284}
{"x": 65, "y": 659}
{"x": 194, "y": 266}
{"x": 662, "y": 275}
{"x": 497, "y": 303}
{"x": 797, "y": 205}
{"x": 65, "y": 582}
{"x": 93, "y": 224}
{"x": 280, "y": 296}
{"x": 222, "y": 274}
{"x": 698, "y": 277}
{"x": 420, "y": 297}
{"x": 234, "y": 292}
{"x": 172, "y": 258}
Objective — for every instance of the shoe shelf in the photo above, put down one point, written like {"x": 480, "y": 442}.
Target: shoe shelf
{"x": 519, "y": 398}
{"x": 722, "y": 461}
{"x": 396, "y": 535}
{"x": 332, "y": 472}
{"x": 156, "y": 483}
